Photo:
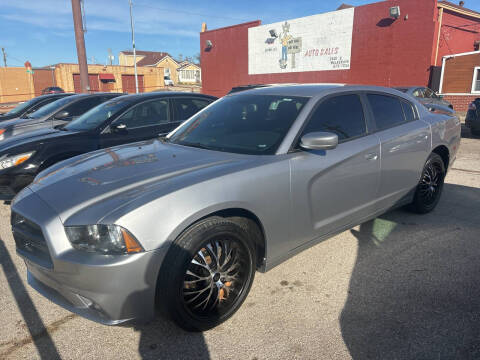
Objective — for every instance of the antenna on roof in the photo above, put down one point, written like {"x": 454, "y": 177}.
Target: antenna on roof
{"x": 111, "y": 57}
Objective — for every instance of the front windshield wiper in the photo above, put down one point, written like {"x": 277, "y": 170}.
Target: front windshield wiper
{"x": 196, "y": 144}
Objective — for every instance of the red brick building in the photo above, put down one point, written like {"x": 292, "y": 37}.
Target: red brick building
{"x": 387, "y": 51}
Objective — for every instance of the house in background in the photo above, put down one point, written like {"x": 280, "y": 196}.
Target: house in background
{"x": 189, "y": 73}
{"x": 172, "y": 67}
{"x": 460, "y": 78}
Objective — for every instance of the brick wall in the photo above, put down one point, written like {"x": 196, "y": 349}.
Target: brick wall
{"x": 460, "y": 102}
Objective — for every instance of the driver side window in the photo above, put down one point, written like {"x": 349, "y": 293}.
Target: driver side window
{"x": 149, "y": 113}
{"x": 341, "y": 115}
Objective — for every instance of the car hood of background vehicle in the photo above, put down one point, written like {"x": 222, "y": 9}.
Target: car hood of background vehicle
{"x": 36, "y": 136}
{"x": 19, "y": 122}
{"x": 114, "y": 176}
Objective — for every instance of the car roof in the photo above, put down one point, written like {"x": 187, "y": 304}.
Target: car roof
{"x": 160, "y": 94}
{"x": 312, "y": 90}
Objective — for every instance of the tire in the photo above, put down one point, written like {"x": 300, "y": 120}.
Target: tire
{"x": 199, "y": 290}
{"x": 429, "y": 189}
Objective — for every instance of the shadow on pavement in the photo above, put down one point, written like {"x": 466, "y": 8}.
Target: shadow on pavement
{"x": 415, "y": 292}
{"x": 162, "y": 339}
{"x": 38, "y": 332}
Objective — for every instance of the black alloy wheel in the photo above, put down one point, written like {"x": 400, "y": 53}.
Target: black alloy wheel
{"x": 207, "y": 273}
{"x": 430, "y": 187}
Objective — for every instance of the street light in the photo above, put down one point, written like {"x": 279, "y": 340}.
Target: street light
{"x": 133, "y": 44}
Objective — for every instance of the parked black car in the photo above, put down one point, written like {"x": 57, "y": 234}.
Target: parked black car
{"x": 52, "y": 90}
{"x": 28, "y": 107}
{"x": 425, "y": 95}
{"x": 57, "y": 113}
{"x": 125, "y": 119}
{"x": 472, "y": 120}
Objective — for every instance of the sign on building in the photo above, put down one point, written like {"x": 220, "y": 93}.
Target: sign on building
{"x": 312, "y": 43}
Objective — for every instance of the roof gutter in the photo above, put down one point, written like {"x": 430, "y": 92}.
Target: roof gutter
{"x": 466, "y": 12}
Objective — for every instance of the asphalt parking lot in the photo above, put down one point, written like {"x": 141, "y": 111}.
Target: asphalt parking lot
{"x": 401, "y": 286}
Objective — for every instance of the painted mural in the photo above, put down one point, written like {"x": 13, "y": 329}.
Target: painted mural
{"x": 312, "y": 43}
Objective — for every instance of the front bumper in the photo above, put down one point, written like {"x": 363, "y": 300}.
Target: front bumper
{"x": 109, "y": 289}
{"x": 11, "y": 183}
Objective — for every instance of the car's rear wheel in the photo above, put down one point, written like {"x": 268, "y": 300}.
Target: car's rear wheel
{"x": 429, "y": 189}
{"x": 207, "y": 274}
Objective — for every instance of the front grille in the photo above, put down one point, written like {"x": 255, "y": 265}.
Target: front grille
{"x": 6, "y": 190}
{"x": 30, "y": 240}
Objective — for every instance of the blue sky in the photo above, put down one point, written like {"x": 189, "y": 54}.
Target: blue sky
{"x": 41, "y": 31}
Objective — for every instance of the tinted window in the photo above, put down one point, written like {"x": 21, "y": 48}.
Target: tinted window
{"x": 248, "y": 124}
{"x": 418, "y": 93}
{"x": 387, "y": 110}
{"x": 187, "y": 107}
{"x": 52, "y": 107}
{"x": 20, "y": 108}
{"x": 145, "y": 114}
{"x": 428, "y": 93}
{"x": 98, "y": 115}
{"x": 409, "y": 111}
{"x": 341, "y": 115}
{"x": 82, "y": 106}
{"x": 41, "y": 104}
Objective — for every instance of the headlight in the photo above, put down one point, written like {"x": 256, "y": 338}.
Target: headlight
{"x": 105, "y": 239}
{"x": 15, "y": 160}
{"x": 1, "y": 134}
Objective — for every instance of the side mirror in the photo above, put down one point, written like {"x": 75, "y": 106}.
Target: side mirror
{"x": 319, "y": 141}
{"x": 62, "y": 115}
{"x": 120, "y": 128}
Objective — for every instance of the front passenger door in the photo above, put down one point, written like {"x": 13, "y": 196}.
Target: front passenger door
{"x": 143, "y": 121}
{"x": 334, "y": 188}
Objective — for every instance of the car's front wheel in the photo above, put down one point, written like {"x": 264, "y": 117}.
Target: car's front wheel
{"x": 207, "y": 274}
{"x": 429, "y": 189}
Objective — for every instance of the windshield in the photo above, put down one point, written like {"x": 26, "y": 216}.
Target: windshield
{"x": 98, "y": 115}
{"x": 245, "y": 124}
{"x": 53, "y": 106}
{"x": 22, "y": 106}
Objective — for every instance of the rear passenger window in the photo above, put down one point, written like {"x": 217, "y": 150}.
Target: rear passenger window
{"x": 186, "y": 107}
{"x": 409, "y": 111}
{"x": 82, "y": 106}
{"x": 341, "y": 115}
{"x": 387, "y": 111}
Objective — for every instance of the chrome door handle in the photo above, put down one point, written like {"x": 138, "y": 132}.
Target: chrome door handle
{"x": 371, "y": 156}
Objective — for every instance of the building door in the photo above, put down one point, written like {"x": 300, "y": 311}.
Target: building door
{"x": 92, "y": 82}
{"x": 128, "y": 83}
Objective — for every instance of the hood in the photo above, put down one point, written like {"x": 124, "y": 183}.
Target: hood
{"x": 118, "y": 174}
{"x": 19, "y": 122}
{"x": 36, "y": 136}
{"x": 4, "y": 117}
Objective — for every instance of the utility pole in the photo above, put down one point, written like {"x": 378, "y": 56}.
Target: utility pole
{"x": 133, "y": 44}
{"x": 80, "y": 41}
{"x": 4, "y": 57}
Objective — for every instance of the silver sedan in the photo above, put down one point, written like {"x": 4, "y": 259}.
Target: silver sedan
{"x": 181, "y": 224}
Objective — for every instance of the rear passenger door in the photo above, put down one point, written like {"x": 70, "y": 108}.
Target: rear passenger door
{"x": 184, "y": 107}
{"x": 141, "y": 122}
{"x": 335, "y": 188}
{"x": 405, "y": 145}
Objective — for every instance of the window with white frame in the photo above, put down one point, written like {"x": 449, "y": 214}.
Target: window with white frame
{"x": 476, "y": 80}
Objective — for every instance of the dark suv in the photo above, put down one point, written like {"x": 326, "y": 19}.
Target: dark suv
{"x": 122, "y": 120}
{"x": 472, "y": 120}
